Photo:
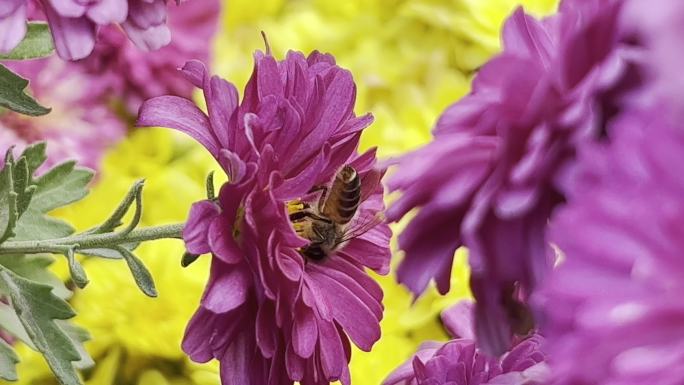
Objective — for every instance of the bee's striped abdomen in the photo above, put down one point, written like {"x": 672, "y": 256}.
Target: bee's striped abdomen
{"x": 344, "y": 197}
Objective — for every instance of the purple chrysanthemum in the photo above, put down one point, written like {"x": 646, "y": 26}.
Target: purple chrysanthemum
{"x": 269, "y": 314}
{"x": 613, "y": 309}
{"x": 126, "y": 73}
{"x": 659, "y": 28}
{"x": 74, "y": 23}
{"x": 491, "y": 177}
{"x": 460, "y": 362}
{"x": 80, "y": 126}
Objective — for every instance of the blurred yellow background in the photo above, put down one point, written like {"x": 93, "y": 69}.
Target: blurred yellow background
{"x": 410, "y": 59}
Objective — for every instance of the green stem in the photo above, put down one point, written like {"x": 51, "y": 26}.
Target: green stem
{"x": 92, "y": 241}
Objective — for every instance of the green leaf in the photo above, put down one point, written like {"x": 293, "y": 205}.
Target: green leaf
{"x": 76, "y": 270}
{"x": 142, "y": 276}
{"x": 22, "y": 185}
{"x": 38, "y": 309}
{"x": 34, "y": 225}
{"x": 8, "y": 200}
{"x": 12, "y": 94}
{"x": 36, "y": 268}
{"x": 11, "y": 323}
{"x": 35, "y": 155}
{"x": 108, "y": 253}
{"x": 210, "y": 186}
{"x": 188, "y": 259}
{"x": 78, "y": 336}
{"x": 8, "y": 361}
{"x": 62, "y": 185}
{"x": 115, "y": 220}
{"x": 36, "y": 44}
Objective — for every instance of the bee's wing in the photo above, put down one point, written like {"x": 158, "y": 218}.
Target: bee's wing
{"x": 362, "y": 226}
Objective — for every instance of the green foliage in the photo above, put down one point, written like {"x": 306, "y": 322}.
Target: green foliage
{"x": 13, "y": 97}
{"x": 60, "y": 186}
{"x": 35, "y": 267}
{"x": 34, "y": 309}
{"x": 8, "y": 360}
{"x": 38, "y": 308}
{"x": 36, "y": 44}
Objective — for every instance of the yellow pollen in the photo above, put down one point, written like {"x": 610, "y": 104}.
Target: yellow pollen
{"x": 294, "y": 206}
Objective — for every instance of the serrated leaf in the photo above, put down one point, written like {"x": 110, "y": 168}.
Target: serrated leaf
{"x": 60, "y": 186}
{"x": 35, "y": 268}
{"x": 142, "y": 276}
{"x": 35, "y": 155}
{"x": 13, "y": 97}
{"x": 8, "y": 362}
{"x": 11, "y": 323}
{"x": 36, "y": 44}
{"x": 78, "y": 336}
{"x": 35, "y": 226}
{"x": 38, "y": 309}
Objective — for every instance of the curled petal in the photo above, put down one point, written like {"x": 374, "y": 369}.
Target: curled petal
{"x": 196, "y": 228}
{"x": 221, "y": 241}
{"x": 180, "y": 114}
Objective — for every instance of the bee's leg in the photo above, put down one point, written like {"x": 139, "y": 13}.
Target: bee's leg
{"x": 321, "y": 201}
{"x": 324, "y": 194}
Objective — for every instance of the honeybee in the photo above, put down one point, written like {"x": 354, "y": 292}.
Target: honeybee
{"x": 326, "y": 226}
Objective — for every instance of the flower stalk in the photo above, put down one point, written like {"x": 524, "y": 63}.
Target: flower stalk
{"x": 87, "y": 241}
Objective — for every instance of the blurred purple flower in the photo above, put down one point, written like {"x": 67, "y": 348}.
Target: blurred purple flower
{"x": 80, "y": 127}
{"x": 74, "y": 23}
{"x": 613, "y": 309}
{"x": 659, "y": 28}
{"x": 127, "y": 73}
{"x": 459, "y": 362}
{"x": 492, "y": 176}
{"x": 268, "y": 314}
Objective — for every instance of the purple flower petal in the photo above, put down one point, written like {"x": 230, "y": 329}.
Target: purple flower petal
{"x": 149, "y": 39}
{"x": 196, "y": 228}
{"x": 74, "y": 37}
{"x": 12, "y": 24}
{"x": 66, "y": 8}
{"x": 180, "y": 114}
{"x": 228, "y": 289}
{"x": 108, "y": 11}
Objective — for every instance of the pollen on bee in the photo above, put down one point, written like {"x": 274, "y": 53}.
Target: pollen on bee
{"x": 294, "y": 206}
